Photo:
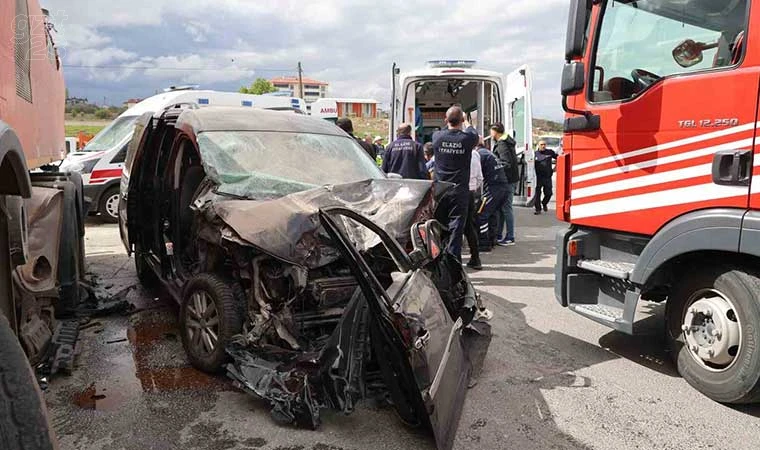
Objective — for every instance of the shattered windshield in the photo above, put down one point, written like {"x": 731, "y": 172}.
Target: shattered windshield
{"x": 113, "y": 135}
{"x": 266, "y": 164}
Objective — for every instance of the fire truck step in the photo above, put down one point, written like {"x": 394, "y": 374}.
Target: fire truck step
{"x": 620, "y": 270}
{"x": 600, "y": 312}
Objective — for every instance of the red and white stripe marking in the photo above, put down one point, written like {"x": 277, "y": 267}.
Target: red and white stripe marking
{"x": 674, "y": 173}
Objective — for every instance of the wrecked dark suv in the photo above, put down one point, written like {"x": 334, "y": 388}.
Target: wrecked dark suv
{"x": 300, "y": 269}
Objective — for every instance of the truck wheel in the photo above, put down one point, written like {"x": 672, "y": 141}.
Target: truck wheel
{"x": 713, "y": 328}
{"x": 23, "y": 418}
{"x": 210, "y": 315}
{"x": 109, "y": 205}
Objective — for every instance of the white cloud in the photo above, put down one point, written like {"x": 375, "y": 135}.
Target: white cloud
{"x": 350, "y": 43}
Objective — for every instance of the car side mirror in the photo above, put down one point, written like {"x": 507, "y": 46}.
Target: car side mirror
{"x": 573, "y": 78}
{"x": 688, "y": 53}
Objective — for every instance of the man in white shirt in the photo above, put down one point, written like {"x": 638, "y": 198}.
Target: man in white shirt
{"x": 470, "y": 228}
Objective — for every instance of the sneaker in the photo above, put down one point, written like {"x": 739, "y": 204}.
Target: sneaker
{"x": 485, "y": 249}
{"x": 546, "y": 208}
{"x": 535, "y": 213}
{"x": 506, "y": 242}
{"x": 474, "y": 264}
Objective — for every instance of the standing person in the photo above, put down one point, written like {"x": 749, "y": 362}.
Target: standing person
{"x": 379, "y": 148}
{"x": 452, "y": 149}
{"x": 505, "y": 152}
{"x": 471, "y": 228}
{"x": 405, "y": 156}
{"x": 345, "y": 124}
{"x": 544, "y": 171}
{"x": 427, "y": 149}
{"x": 495, "y": 187}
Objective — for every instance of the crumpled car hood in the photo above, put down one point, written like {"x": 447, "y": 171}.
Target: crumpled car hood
{"x": 287, "y": 227}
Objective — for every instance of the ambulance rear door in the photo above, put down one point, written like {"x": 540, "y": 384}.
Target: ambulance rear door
{"x": 519, "y": 124}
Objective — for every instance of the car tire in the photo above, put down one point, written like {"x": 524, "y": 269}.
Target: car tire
{"x": 23, "y": 417}
{"x": 210, "y": 315}
{"x": 731, "y": 295}
{"x": 109, "y": 205}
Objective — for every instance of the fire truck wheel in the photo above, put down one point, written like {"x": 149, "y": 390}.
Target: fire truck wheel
{"x": 23, "y": 419}
{"x": 713, "y": 329}
{"x": 109, "y": 205}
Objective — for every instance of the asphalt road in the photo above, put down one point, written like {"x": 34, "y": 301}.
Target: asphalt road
{"x": 551, "y": 379}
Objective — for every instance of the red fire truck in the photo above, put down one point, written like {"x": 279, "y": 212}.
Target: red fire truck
{"x": 41, "y": 221}
{"x": 659, "y": 182}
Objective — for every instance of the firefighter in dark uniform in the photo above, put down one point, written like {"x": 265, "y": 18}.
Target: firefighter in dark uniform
{"x": 452, "y": 149}
{"x": 405, "y": 156}
{"x": 495, "y": 185}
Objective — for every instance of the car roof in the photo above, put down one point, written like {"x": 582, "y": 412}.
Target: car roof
{"x": 251, "y": 119}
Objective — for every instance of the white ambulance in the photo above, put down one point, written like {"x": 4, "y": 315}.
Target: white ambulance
{"x": 100, "y": 162}
{"x": 324, "y": 108}
{"x": 422, "y": 97}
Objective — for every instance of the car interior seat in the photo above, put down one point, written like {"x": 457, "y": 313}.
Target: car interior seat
{"x": 190, "y": 182}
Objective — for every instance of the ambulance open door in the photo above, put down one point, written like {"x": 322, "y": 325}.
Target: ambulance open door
{"x": 519, "y": 123}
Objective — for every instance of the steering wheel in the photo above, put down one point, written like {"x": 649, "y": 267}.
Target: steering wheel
{"x": 642, "y": 79}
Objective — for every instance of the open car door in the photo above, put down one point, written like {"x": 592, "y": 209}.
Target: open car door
{"x": 418, "y": 342}
{"x": 519, "y": 123}
{"x": 129, "y": 184}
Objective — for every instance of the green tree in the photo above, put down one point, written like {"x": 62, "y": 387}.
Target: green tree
{"x": 259, "y": 86}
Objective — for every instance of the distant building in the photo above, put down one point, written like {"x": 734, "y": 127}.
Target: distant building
{"x": 132, "y": 102}
{"x": 312, "y": 89}
{"x": 76, "y": 101}
{"x": 356, "y": 107}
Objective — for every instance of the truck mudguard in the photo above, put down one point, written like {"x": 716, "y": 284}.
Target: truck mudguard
{"x": 14, "y": 176}
{"x": 750, "y": 239}
{"x": 709, "y": 229}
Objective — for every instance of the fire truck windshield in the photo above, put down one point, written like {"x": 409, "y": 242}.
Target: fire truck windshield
{"x": 640, "y": 42}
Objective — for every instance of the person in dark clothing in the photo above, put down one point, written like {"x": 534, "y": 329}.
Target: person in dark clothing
{"x": 452, "y": 149}
{"x": 427, "y": 149}
{"x": 544, "y": 171}
{"x": 505, "y": 152}
{"x": 405, "y": 156}
{"x": 495, "y": 185}
{"x": 345, "y": 124}
{"x": 379, "y": 148}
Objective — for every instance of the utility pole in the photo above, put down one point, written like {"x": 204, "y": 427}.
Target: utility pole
{"x": 300, "y": 81}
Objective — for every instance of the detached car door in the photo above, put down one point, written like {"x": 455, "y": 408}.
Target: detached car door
{"x": 416, "y": 339}
{"x": 130, "y": 178}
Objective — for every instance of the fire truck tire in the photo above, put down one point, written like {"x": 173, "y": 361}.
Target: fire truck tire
{"x": 713, "y": 330}
{"x": 23, "y": 418}
{"x": 109, "y": 205}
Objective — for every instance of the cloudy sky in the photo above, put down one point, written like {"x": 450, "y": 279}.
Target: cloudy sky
{"x": 120, "y": 50}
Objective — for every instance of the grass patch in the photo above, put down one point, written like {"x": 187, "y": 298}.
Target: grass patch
{"x": 74, "y": 129}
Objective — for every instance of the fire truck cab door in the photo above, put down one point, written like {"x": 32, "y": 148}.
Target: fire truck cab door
{"x": 670, "y": 131}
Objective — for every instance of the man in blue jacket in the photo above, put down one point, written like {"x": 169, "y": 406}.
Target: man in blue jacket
{"x": 495, "y": 186}
{"x": 452, "y": 149}
{"x": 405, "y": 156}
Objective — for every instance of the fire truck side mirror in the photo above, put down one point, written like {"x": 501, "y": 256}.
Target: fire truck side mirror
{"x": 688, "y": 53}
{"x": 580, "y": 13}
{"x": 573, "y": 78}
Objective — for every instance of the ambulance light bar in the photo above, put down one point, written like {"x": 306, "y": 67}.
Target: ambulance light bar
{"x": 447, "y": 63}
